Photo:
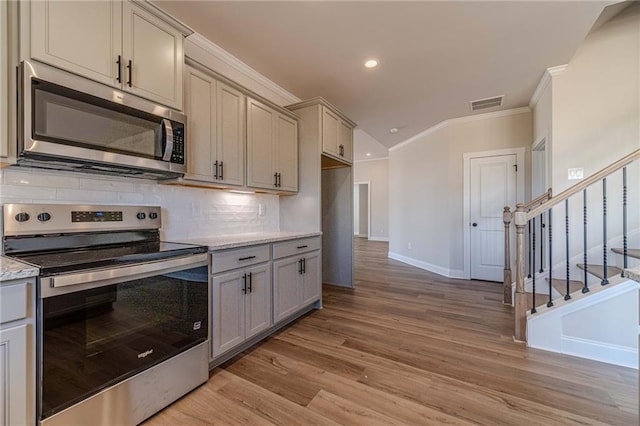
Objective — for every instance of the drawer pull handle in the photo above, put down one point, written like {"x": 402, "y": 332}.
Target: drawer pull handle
{"x": 247, "y": 258}
{"x": 301, "y": 247}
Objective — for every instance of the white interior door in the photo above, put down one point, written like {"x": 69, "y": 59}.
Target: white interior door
{"x": 492, "y": 186}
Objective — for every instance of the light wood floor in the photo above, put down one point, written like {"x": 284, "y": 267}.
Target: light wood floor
{"x": 407, "y": 347}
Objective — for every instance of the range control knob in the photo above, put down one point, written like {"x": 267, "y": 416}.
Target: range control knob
{"x": 44, "y": 217}
{"x": 22, "y": 217}
{"x": 141, "y": 215}
{"x": 153, "y": 215}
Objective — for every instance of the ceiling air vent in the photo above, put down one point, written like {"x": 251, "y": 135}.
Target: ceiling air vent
{"x": 486, "y": 103}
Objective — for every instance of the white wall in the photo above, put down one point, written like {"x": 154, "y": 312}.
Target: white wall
{"x": 596, "y": 100}
{"x": 377, "y": 173}
{"x": 590, "y": 113}
{"x": 426, "y": 186}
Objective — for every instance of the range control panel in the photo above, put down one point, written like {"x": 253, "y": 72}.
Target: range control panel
{"x": 26, "y": 219}
{"x": 99, "y": 216}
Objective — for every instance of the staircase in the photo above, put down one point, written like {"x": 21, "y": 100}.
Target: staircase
{"x": 564, "y": 245}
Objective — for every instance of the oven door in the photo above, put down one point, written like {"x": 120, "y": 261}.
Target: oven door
{"x": 96, "y": 333}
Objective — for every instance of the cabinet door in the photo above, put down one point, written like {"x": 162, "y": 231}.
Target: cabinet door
{"x": 13, "y": 375}
{"x": 155, "y": 51}
{"x": 230, "y": 135}
{"x": 258, "y": 300}
{"x": 345, "y": 141}
{"x": 227, "y": 329}
{"x": 4, "y": 83}
{"x": 311, "y": 278}
{"x": 260, "y": 141}
{"x": 287, "y": 154}
{"x": 81, "y": 37}
{"x": 286, "y": 288}
{"x": 200, "y": 108}
{"x": 330, "y": 123}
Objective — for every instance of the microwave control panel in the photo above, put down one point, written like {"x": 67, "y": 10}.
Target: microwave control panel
{"x": 177, "y": 156}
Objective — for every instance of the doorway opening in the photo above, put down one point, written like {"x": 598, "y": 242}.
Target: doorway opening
{"x": 362, "y": 209}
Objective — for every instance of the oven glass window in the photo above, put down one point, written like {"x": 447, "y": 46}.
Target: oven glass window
{"x": 95, "y": 338}
{"x": 67, "y": 117}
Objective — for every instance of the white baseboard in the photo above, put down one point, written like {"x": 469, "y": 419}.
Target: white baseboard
{"x": 385, "y": 239}
{"x": 449, "y": 273}
{"x": 598, "y": 351}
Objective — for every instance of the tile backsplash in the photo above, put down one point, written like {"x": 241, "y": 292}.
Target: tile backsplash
{"x": 186, "y": 212}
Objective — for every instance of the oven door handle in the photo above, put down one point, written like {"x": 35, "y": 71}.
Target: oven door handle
{"x": 107, "y": 276}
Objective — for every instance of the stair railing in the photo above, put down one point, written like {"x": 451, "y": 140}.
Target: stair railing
{"x": 507, "y": 218}
{"x": 526, "y": 213}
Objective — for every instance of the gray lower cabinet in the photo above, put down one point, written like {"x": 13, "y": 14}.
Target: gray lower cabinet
{"x": 17, "y": 353}
{"x": 241, "y": 297}
{"x": 296, "y": 276}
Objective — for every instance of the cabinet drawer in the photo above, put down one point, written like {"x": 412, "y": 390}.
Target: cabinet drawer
{"x": 293, "y": 247}
{"x": 226, "y": 260}
{"x": 13, "y": 302}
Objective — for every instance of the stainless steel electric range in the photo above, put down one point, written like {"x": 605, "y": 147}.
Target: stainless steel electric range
{"x": 121, "y": 316}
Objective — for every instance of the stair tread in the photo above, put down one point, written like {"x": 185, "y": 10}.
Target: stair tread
{"x": 561, "y": 285}
{"x": 541, "y": 299}
{"x": 631, "y": 252}
{"x": 598, "y": 270}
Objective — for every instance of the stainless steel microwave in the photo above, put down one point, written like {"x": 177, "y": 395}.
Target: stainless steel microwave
{"x": 67, "y": 122}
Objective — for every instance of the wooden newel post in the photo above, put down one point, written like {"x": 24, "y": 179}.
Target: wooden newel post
{"x": 506, "y": 218}
{"x": 520, "y": 312}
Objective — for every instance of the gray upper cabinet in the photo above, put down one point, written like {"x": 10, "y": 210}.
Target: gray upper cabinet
{"x": 272, "y": 148}
{"x": 4, "y": 82}
{"x": 337, "y": 135}
{"x": 215, "y": 130}
{"x": 115, "y": 42}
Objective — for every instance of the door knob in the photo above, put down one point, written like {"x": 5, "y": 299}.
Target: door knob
{"x": 474, "y": 224}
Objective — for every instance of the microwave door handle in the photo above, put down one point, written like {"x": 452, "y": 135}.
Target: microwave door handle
{"x": 168, "y": 148}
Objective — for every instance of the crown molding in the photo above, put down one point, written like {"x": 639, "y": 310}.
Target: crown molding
{"x": 460, "y": 120}
{"x": 319, "y": 100}
{"x": 548, "y": 74}
{"x": 235, "y": 63}
{"x": 161, "y": 14}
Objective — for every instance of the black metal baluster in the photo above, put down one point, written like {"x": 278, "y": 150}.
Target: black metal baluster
{"x": 567, "y": 295}
{"x": 530, "y": 250}
{"x": 541, "y": 243}
{"x": 625, "y": 258}
{"x": 533, "y": 244}
{"x": 550, "y": 302}
{"x": 605, "y": 281}
{"x": 585, "y": 289}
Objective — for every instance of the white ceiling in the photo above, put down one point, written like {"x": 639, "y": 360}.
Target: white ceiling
{"x": 434, "y": 57}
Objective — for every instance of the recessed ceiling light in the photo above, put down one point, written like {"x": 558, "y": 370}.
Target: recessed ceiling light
{"x": 393, "y": 130}
{"x": 368, "y": 154}
{"x": 371, "y": 63}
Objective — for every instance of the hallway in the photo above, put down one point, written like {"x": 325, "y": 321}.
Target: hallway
{"x": 407, "y": 347}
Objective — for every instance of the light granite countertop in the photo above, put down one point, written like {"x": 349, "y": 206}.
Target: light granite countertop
{"x": 632, "y": 274}
{"x": 13, "y": 270}
{"x": 222, "y": 242}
